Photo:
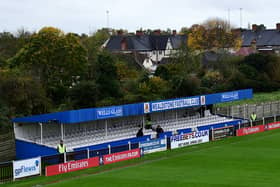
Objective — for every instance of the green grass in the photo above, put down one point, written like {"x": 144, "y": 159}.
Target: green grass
{"x": 257, "y": 99}
{"x": 252, "y": 160}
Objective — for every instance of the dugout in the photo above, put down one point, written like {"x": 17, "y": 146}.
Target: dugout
{"x": 96, "y": 128}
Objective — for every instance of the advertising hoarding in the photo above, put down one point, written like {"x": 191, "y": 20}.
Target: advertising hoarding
{"x": 188, "y": 139}
{"x": 109, "y": 112}
{"x": 153, "y": 146}
{"x": 28, "y": 167}
{"x": 121, "y": 156}
{"x": 72, "y": 166}
{"x": 250, "y": 130}
{"x": 173, "y": 104}
{"x": 271, "y": 126}
{"x": 220, "y": 133}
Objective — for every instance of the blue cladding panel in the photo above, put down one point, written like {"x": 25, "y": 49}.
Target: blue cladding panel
{"x": 184, "y": 131}
{"x": 165, "y": 134}
{"x": 84, "y": 115}
{"x": 220, "y": 125}
{"x": 228, "y": 96}
{"x": 28, "y": 150}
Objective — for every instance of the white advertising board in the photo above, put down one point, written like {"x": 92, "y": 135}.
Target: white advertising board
{"x": 188, "y": 139}
{"x": 28, "y": 167}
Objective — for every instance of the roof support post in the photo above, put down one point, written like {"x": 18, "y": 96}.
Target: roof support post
{"x": 176, "y": 116}
{"x": 41, "y": 130}
{"x": 106, "y": 128}
{"x": 62, "y": 133}
{"x": 14, "y": 124}
{"x": 143, "y": 122}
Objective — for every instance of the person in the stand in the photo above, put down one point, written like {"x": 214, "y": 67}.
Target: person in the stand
{"x": 253, "y": 117}
{"x": 159, "y": 130}
{"x": 61, "y": 148}
{"x": 140, "y": 133}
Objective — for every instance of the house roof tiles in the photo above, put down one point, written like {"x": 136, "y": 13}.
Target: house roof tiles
{"x": 269, "y": 37}
{"x": 145, "y": 42}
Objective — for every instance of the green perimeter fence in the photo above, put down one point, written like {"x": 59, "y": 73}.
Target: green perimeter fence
{"x": 6, "y": 168}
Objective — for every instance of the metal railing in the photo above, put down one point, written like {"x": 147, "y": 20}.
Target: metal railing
{"x": 244, "y": 111}
{"x": 6, "y": 171}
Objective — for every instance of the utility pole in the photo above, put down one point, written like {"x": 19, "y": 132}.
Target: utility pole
{"x": 241, "y": 18}
{"x": 107, "y": 15}
{"x": 229, "y": 19}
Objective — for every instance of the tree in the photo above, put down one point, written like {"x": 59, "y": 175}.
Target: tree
{"x": 58, "y": 60}
{"x": 107, "y": 77}
{"x": 213, "y": 34}
{"x": 8, "y": 45}
{"x": 84, "y": 95}
{"x": 183, "y": 86}
{"x": 93, "y": 44}
{"x": 22, "y": 95}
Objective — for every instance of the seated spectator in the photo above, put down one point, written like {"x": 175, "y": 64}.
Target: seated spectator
{"x": 140, "y": 133}
{"x": 159, "y": 130}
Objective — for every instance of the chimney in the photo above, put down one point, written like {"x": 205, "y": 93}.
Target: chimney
{"x": 174, "y": 32}
{"x": 139, "y": 33}
{"x": 278, "y": 26}
{"x": 120, "y": 32}
{"x": 254, "y": 27}
{"x": 157, "y": 32}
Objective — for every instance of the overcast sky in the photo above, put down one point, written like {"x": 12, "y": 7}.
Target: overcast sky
{"x": 85, "y": 16}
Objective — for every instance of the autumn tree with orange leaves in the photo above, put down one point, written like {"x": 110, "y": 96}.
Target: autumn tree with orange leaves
{"x": 213, "y": 34}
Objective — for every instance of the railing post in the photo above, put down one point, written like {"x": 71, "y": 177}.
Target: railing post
{"x": 274, "y": 118}
{"x": 109, "y": 147}
{"x": 263, "y": 121}
{"x": 41, "y": 133}
{"x": 251, "y": 122}
{"x": 64, "y": 154}
{"x": 239, "y": 125}
{"x": 263, "y": 108}
{"x": 244, "y": 111}
{"x": 87, "y": 152}
{"x": 247, "y": 110}
{"x": 40, "y": 166}
{"x": 129, "y": 145}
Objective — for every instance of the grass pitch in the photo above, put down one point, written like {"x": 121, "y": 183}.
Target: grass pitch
{"x": 252, "y": 160}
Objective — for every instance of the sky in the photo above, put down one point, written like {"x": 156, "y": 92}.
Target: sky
{"x": 87, "y": 16}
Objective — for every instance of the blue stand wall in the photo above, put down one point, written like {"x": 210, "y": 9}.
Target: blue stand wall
{"x": 26, "y": 150}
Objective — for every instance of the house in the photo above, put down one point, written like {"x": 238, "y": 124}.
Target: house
{"x": 155, "y": 47}
{"x": 261, "y": 40}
